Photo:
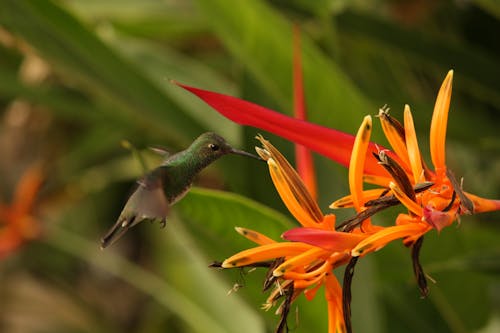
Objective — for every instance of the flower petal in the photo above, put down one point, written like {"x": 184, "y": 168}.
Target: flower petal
{"x": 290, "y": 186}
{"x": 347, "y": 202}
{"x": 254, "y": 236}
{"x": 334, "y": 241}
{"x": 329, "y": 142}
{"x": 300, "y": 260}
{"x": 482, "y": 205}
{"x": 412, "y": 147}
{"x": 263, "y": 253}
{"x": 405, "y": 200}
{"x": 333, "y": 296}
{"x": 395, "y": 134}
{"x": 357, "y": 162}
{"x": 387, "y": 235}
{"x": 439, "y": 123}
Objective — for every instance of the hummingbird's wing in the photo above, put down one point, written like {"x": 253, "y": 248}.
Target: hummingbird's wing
{"x": 147, "y": 202}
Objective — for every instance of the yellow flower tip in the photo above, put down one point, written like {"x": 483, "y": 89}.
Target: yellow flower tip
{"x": 367, "y": 127}
{"x": 229, "y": 263}
{"x": 411, "y": 205}
{"x": 450, "y": 74}
{"x": 254, "y": 236}
{"x": 280, "y": 271}
{"x": 264, "y": 154}
{"x": 343, "y": 202}
{"x": 356, "y": 252}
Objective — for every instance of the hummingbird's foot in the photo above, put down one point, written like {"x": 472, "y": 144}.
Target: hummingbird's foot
{"x": 163, "y": 223}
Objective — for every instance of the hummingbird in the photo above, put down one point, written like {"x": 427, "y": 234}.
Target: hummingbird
{"x": 168, "y": 183}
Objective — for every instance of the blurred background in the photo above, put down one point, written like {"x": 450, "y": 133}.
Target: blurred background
{"x": 79, "y": 77}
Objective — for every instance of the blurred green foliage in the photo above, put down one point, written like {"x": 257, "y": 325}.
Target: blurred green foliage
{"x": 77, "y": 77}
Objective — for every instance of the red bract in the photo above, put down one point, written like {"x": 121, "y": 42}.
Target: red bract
{"x": 329, "y": 142}
{"x": 303, "y": 157}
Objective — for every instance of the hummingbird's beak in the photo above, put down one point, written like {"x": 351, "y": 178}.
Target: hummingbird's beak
{"x": 244, "y": 153}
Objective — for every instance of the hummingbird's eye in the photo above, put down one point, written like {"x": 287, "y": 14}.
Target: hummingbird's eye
{"x": 213, "y": 146}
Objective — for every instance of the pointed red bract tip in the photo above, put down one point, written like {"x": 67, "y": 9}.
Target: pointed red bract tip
{"x": 329, "y": 142}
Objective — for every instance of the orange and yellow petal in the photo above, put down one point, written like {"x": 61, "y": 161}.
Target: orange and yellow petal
{"x": 394, "y": 132}
{"x": 254, "y": 236}
{"x": 307, "y": 257}
{"x": 405, "y": 200}
{"x": 290, "y": 186}
{"x": 334, "y": 241}
{"x": 483, "y": 205}
{"x": 439, "y": 124}
{"x": 356, "y": 165}
{"x": 264, "y": 253}
{"x": 412, "y": 147}
{"x": 333, "y": 296}
{"x": 387, "y": 235}
{"x": 347, "y": 202}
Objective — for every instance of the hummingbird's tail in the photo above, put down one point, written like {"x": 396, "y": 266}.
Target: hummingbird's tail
{"x": 117, "y": 231}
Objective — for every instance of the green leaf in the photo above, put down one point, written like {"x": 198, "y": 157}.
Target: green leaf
{"x": 261, "y": 39}
{"x": 212, "y": 215}
{"x": 84, "y": 59}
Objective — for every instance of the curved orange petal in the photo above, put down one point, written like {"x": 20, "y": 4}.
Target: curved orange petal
{"x": 299, "y": 260}
{"x": 394, "y": 132}
{"x": 265, "y": 252}
{"x": 405, "y": 200}
{"x": 439, "y": 123}
{"x": 412, "y": 147}
{"x": 357, "y": 162}
{"x": 346, "y": 202}
{"x": 254, "y": 236}
{"x": 387, "y": 235}
{"x": 333, "y": 296}
{"x": 483, "y": 205}
{"x": 335, "y": 241}
{"x": 290, "y": 187}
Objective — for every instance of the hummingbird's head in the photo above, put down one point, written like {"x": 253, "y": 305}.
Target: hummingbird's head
{"x": 211, "y": 146}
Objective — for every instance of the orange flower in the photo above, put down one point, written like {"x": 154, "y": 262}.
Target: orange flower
{"x": 434, "y": 198}
{"x": 17, "y": 225}
{"x": 440, "y": 204}
{"x": 296, "y": 267}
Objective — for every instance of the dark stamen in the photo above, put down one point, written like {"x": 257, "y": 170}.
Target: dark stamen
{"x": 346, "y": 293}
{"x": 397, "y": 173}
{"x": 465, "y": 202}
{"x": 284, "y": 310}
{"x": 270, "y": 278}
{"x": 356, "y": 220}
{"x": 375, "y": 206}
{"x": 391, "y": 199}
{"x": 417, "y": 267}
{"x": 453, "y": 197}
